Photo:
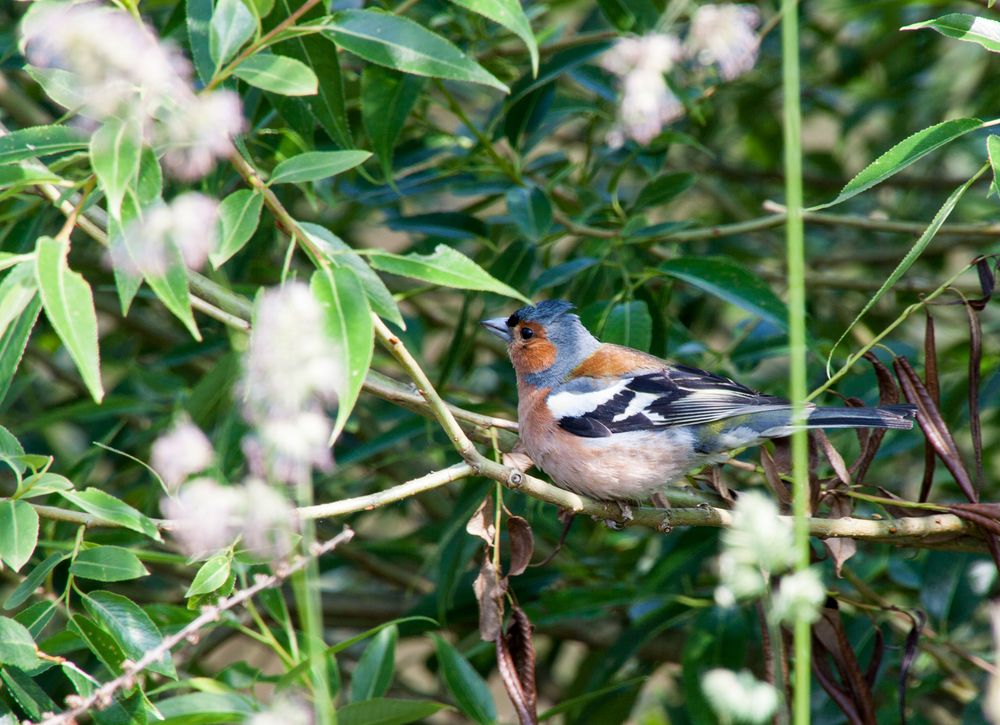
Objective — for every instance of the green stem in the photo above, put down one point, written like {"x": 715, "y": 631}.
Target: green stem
{"x": 796, "y": 336}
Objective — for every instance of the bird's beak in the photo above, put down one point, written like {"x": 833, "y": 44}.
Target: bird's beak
{"x": 498, "y": 326}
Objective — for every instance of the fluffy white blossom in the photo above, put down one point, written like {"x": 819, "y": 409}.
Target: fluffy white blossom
{"x": 739, "y": 697}
{"x": 647, "y": 103}
{"x": 759, "y": 543}
{"x": 200, "y": 131}
{"x": 799, "y": 597}
{"x": 292, "y": 371}
{"x": 269, "y": 521}
{"x": 723, "y": 35}
{"x": 118, "y": 68}
{"x": 283, "y": 711}
{"x": 186, "y": 228}
{"x": 206, "y": 516}
{"x": 179, "y": 452}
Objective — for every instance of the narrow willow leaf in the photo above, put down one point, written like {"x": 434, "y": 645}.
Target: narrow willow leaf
{"x": 629, "y": 324}
{"x": 30, "y": 143}
{"x": 32, "y": 581}
{"x": 911, "y": 256}
{"x": 212, "y": 575}
{"x": 42, "y": 484}
{"x": 107, "y": 564}
{"x": 471, "y": 693}
{"x": 105, "y": 506}
{"x": 17, "y": 647}
{"x": 69, "y": 306}
{"x": 205, "y": 707}
{"x": 19, "y": 308}
{"x": 149, "y": 183}
{"x": 903, "y": 154}
{"x": 278, "y": 74}
{"x": 239, "y": 215}
{"x": 316, "y": 165}
{"x": 531, "y": 211}
{"x": 349, "y": 325}
{"x": 731, "y": 282}
{"x": 993, "y": 149}
{"x": 398, "y": 42}
{"x": 199, "y": 21}
{"x": 663, "y": 189}
{"x": 169, "y": 284}
{"x": 387, "y": 711}
{"x": 509, "y": 14}
{"x": 340, "y": 254}
{"x": 130, "y": 626}
{"x": 446, "y": 267}
{"x": 115, "y": 152}
{"x": 98, "y": 641}
{"x": 18, "y": 533}
{"x": 984, "y": 31}
{"x": 315, "y": 51}
{"x": 232, "y": 25}
{"x": 373, "y": 674}
{"x": 387, "y": 97}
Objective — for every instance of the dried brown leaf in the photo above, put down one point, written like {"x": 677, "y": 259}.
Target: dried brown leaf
{"x": 522, "y": 544}
{"x": 490, "y": 590}
{"x": 773, "y": 477}
{"x": 833, "y": 456}
{"x": 481, "y": 523}
{"x": 840, "y": 549}
{"x": 516, "y": 664}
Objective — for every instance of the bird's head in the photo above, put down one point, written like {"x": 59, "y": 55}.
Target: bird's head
{"x": 545, "y": 341}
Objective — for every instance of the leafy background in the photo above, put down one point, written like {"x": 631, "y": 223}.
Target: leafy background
{"x": 430, "y": 156}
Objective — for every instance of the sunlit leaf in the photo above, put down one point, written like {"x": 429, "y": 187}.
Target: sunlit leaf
{"x": 18, "y": 533}
{"x": 239, "y": 215}
{"x": 316, "y": 165}
{"x": 971, "y": 28}
{"x": 130, "y": 627}
{"x": 232, "y": 25}
{"x": 509, "y": 14}
{"x": 107, "y": 564}
{"x": 278, "y": 74}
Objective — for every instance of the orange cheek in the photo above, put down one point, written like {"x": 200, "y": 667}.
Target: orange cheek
{"x": 534, "y": 356}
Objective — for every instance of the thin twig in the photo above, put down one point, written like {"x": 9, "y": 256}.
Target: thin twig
{"x": 103, "y": 695}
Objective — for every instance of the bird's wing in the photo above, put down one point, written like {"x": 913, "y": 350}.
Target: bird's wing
{"x": 672, "y": 396}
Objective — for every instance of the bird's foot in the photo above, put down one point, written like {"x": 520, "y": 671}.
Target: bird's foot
{"x": 624, "y": 517}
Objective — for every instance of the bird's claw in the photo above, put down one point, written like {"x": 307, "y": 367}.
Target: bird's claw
{"x": 625, "y": 515}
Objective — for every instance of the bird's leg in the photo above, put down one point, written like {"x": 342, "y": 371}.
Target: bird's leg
{"x": 624, "y": 514}
{"x": 659, "y": 500}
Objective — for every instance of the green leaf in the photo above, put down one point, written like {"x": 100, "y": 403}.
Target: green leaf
{"x": 398, "y": 42}
{"x": 731, "y": 282}
{"x": 212, "y": 575}
{"x": 42, "y": 484}
{"x": 316, "y": 165}
{"x": 232, "y": 25}
{"x": 69, "y": 305}
{"x": 149, "y": 184}
{"x": 205, "y": 708}
{"x": 471, "y": 693}
{"x": 349, "y": 325}
{"x": 387, "y": 97}
{"x": 663, "y": 189}
{"x": 98, "y": 641}
{"x": 562, "y": 273}
{"x": 130, "y": 626}
{"x": 105, "y": 506}
{"x": 278, "y": 74}
{"x": 911, "y": 256}
{"x": 36, "y": 616}
{"x": 107, "y": 564}
{"x": 17, "y": 647}
{"x": 903, "y": 154}
{"x": 629, "y": 324}
{"x": 328, "y": 103}
{"x": 19, "y": 176}
{"x": 18, "y": 533}
{"x": 35, "y": 141}
{"x": 446, "y": 267}
{"x": 239, "y": 215}
{"x": 169, "y": 283}
{"x": 199, "y": 22}
{"x": 993, "y": 149}
{"x": 961, "y": 26}
{"x": 115, "y": 152}
{"x": 387, "y": 711}
{"x": 509, "y": 14}
{"x": 340, "y": 254}
{"x": 11, "y": 451}
{"x": 32, "y": 581}
{"x": 373, "y": 674}
{"x": 531, "y": 211}
{"x": 19, "y": 308}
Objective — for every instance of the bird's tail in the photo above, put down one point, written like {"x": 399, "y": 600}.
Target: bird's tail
{"x": 888, "y": 416}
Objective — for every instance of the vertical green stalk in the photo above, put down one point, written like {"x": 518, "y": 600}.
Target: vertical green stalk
{"x": 796, "y": 334}
{"x": 305, "y": 585}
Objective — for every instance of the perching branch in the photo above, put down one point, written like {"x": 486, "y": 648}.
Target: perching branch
{"x": 103, "y": 695}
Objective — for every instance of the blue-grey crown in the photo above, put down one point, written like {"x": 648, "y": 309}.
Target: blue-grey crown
{"x": 542, "y": 313}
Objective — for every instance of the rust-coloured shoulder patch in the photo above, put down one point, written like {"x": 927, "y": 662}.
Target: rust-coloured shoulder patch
{"x": 614, "y": 360}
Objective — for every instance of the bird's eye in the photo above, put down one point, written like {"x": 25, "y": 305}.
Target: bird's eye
{"x": 527, "y": 333}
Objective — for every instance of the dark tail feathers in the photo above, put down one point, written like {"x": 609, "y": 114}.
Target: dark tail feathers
{"x": 889, "y": 416}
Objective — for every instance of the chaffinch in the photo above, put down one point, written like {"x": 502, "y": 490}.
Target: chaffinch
{"x": 617, "y": 424}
